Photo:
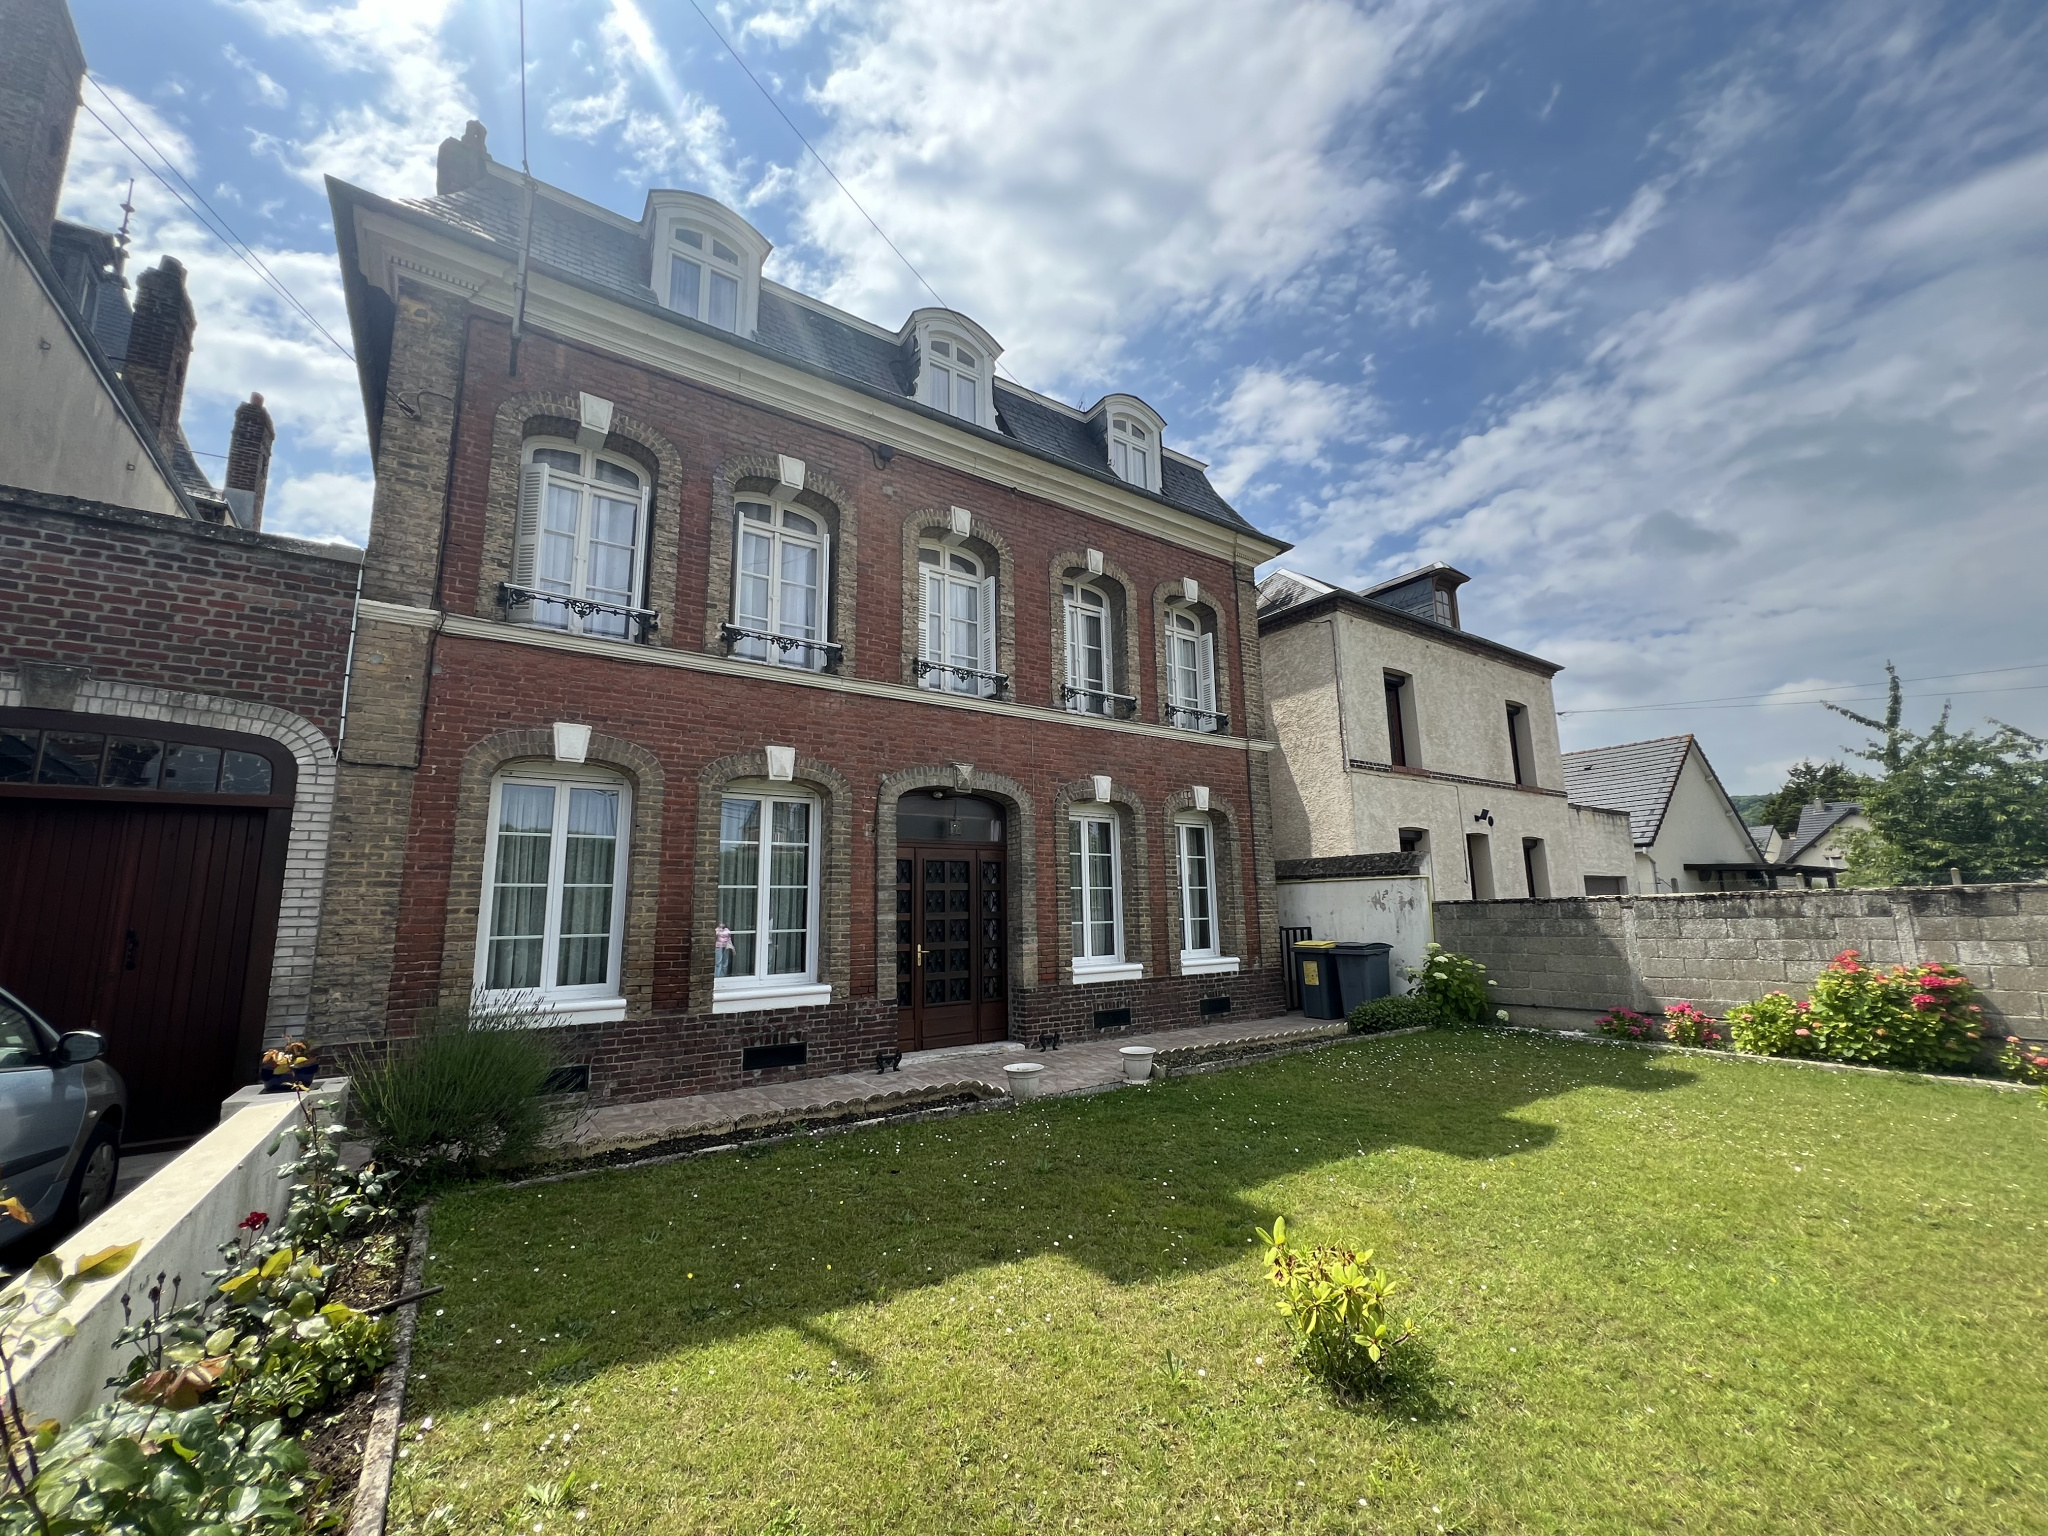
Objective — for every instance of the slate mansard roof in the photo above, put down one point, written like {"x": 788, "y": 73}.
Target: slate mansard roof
{"x": 582, "y": 246}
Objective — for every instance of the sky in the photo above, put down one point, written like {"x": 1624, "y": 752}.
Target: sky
{"x": 1710, "y": 340}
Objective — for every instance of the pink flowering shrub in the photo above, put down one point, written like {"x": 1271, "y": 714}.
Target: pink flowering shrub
{"x": 1773, "y": 1025}
{"x": 2024, "y": 1061}
{"x": 1627, "y": 1024}
{"x": 1918, "y": 1016}
{"x": 1686, "y": 1025}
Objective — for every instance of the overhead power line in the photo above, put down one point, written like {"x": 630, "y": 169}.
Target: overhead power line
{"x": 212, "y": 220}
{"x": 769, "y": 97}
{"x": 1794, "y": 696}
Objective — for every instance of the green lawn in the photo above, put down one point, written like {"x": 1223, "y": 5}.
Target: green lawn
{"x": 1659, "y": 1292}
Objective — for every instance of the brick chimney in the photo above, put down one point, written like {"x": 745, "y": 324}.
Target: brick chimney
{"x": 462, "y": 161}
{"x": 41, "y": 69}
{"x": 160, "y": 346}
{"x": 249, "y": 457}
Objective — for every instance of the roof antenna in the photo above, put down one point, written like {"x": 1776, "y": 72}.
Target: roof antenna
{"x": 526, "y": 213}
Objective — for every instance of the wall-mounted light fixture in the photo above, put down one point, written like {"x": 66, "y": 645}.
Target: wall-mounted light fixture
{"x": 1485, "y": 816}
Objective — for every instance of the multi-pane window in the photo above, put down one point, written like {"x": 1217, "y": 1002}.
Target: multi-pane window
{"x": 767, "y": 890}
{"x": 956, "y": 621}
{"x": 1197, "y": 889}
{"x": 551, "y": 924}
{"x": 581, "y": 538}
{"x": 780, "y": 568}
{"x": 1190, "y": 673}
{"x": 1131, "y": 449}
{"x": 704, "y": 279}
{"x": 1399, "y": 704}
{"x": 1088, "y": 649}
{"x": 1092, "y": 862}
{"x": 954, "y": 373}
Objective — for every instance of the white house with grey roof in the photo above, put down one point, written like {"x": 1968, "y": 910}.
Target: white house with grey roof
{"x": 1410, "y": 743}
{"x": 1688, "y": 836}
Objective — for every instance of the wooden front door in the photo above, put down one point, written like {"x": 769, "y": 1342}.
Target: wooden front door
{"x": 952, "y": 929}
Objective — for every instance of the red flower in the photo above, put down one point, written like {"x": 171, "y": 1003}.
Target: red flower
{"x": 1802, "y": 1032}
{"x": 255, "y": 1221}
{"x": 1925, "y": 1000}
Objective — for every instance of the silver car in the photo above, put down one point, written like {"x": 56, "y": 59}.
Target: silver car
{"x": 61, "y": 1112}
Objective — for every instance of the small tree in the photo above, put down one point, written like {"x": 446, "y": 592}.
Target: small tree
{"x": 1807, "y": 782}
{"x": 1950, "y": 800}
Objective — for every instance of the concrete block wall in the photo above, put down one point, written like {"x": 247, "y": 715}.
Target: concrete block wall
{"x": 1559, "y": 962}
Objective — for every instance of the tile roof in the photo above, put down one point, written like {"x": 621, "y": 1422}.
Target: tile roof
{"x": 1636, "y": 777}
{"x": 604, "y": 256}
{"x": 1761, "y": 836}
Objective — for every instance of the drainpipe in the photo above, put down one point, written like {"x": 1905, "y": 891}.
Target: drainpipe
{"x": 348, "y": 670}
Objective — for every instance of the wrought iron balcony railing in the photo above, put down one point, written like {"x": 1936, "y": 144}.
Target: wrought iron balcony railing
{"x": 999, "y": 680}
{"x": 1206, "y": 720}
{"x": 647, "y": 620}
{"x": 826, "y": 652}
{"x": 1084, "y": 701}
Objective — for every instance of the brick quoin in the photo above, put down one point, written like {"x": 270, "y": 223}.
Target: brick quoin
{"x": 380, "y": 973}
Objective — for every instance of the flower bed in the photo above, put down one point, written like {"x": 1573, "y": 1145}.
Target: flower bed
{"x": 1921, "y": 1018}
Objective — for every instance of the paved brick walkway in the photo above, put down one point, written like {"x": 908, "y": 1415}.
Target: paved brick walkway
{"x": 1078, "y": 1067}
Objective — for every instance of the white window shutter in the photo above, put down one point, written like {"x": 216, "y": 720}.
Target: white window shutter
{"x": 815, "y": 660}
{"x": 988, "y": 635}
{"x": 643, "y": 541}
{"x": 1073, "y": 652}
{"x": 927, "y": 630}
{"x": 1206, "y": 678}
{"x": 533, "y": 487}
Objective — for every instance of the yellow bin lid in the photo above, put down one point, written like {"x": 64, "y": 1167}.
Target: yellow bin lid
{"x": 1315, "y": 943}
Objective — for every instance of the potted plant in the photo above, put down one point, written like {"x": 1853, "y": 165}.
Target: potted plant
{"x": 1137, "y": 1062}
{"x": 1022, "y": 1077}
{"x": 292, "y": 1065}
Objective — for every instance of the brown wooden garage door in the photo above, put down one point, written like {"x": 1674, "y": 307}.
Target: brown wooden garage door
{"x": 146, "y": 913}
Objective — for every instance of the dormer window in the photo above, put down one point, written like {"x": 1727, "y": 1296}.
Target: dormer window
{"x": 954, "y": 378}
{"x": 704, "y": 278}
{"x": 1131, "y": 448}
{"x": 706, "y": 260}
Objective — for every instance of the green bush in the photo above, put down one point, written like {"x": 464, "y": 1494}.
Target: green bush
{"x": 1384, "y": 1013}
{"x": 2024, "y": 1062}
{"x": 1455, "y": 986}
{"x": 1920, "y": 1017}
{"x": 1773, "y": 1025}
{"x": 462, "y": 1095}
{"x": 1335, "y": 1304}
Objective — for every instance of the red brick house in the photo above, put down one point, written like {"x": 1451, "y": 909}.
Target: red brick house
{"x": 754, "y": 689}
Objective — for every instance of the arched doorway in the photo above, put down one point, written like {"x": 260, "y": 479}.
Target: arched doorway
{"x": 952, "y": 920}
{"x": 145, "y": 864}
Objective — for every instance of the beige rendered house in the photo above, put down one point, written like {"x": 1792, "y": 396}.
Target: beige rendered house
{"x": 1400, "y": 732}
{"x": 1687, "y": 834}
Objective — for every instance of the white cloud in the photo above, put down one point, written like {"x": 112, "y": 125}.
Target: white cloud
{"x": 1070, "y": 181}
{"x": 268, "y": 91}
{"x": 1829, "y": 459}
{"x": 321, "y": 505}
{"x": 1274, "y": 414}
{"x": 1442, "y": 181}
{"x": 1538, "y": 296}
{"x": 416, "y": 95}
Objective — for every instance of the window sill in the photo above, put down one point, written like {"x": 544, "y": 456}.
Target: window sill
{"x": 756, "y": 999}
{"x": 1115, "y": 970}
{"x": 561, "y": 1012}
{"x": 1210, "y": 965}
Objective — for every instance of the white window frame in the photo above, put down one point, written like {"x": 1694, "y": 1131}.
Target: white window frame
{"x": 1078, "y": 613}
{"x": 537, "y": 482}
{"x": 1190, "y": 649}
{"x": 763, "y": 989}
{"x": 1134, "y": 446}
{"x": 941, "y": 380}
{"x": 807, "y": 658}
{"x": 589, "y": 1003}
{"x": 1088, "y": 967}
{"x": 710, "y": 266}
{"x": 936, "y": 582}
{"x": 1209, "y": 960}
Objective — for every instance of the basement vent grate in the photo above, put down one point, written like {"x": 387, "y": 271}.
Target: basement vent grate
{"x": 1215, "y": 1005}
{"x": 1112, "y": 1018}
{"x": 758, "y": 1058}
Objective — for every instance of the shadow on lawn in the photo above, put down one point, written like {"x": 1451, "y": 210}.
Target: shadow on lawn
{"x": 1137, "y": 1185}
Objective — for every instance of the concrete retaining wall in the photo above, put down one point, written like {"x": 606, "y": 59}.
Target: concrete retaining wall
{"x": 181, "y": 1215}
{"x": 1558, "y": 962}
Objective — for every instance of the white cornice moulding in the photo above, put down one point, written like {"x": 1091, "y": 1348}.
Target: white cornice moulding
{"x": 463, "y": 627}
{"x": 577, "y": 316}
{"x": 398, "y": 613}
